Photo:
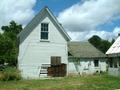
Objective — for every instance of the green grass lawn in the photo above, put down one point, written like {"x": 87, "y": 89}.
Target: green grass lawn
{"x": 95, "y": 82}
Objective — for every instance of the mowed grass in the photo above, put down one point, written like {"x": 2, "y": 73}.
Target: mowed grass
{"x": 92, "y": 82}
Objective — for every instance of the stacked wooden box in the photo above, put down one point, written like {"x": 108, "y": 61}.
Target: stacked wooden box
{"x": 57, "y": 69}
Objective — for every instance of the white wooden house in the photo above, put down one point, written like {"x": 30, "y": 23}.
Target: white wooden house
{"x": 44, "y": 39}
{"x": 84, "y": 58}
{"x": 113, "y": 54}
{"x": 40, "y": 40}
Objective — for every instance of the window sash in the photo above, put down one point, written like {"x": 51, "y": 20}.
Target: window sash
{"x": 44, "y": 35}
{"x": 44, "y": 31}
{"x": 44, "y": 26}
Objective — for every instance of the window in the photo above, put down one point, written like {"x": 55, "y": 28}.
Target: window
{"x": 115, "y": 64}
{"x": 96, "y": 63}
{"x": 111, "y": 63}
{"x": 44, "y": 31}
{"x": 119, "y": 62}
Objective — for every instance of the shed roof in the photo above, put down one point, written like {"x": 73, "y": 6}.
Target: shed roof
{"x": 84, "y": 50}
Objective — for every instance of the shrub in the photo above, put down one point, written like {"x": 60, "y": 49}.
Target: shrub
{"x": 1, "y": 75}
{"x": 10, "y": 73}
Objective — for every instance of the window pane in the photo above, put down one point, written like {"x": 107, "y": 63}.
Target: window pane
{"x": 42, "y": 29}
{"x": 96, "y": 63}
{"x": 45, "y": 29}
{"x": 44, "y": 26}
{"x": 119, "y": 62}
{"x": 111, "y": 63}
{"x": 44, "y": 35}
{"x": 115, "y": 63}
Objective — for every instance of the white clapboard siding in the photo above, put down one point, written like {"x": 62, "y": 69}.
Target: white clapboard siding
{"x": 86, "y": 66}
{"x": 33, "y": 52}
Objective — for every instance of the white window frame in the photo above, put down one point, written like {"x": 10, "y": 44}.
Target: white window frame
{"x": 44, "y": 31}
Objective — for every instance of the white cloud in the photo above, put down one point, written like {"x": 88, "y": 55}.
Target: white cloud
{"x": 19, "y": 10}
{"x": 85, "y": 35}
{"x": 89, "y": 15}
{"x": 116, "y": 31}
{"x": 81, "y": 19}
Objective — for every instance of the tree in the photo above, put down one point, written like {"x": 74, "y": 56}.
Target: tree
{"x": 8, "y": 43}
{"x": 13, "y": 27}
{"x": 95, "y": 41}
{"x": 6, "y": 46}
{"x": 113, "y": 40}
{"x": 100, "y": 44}
{"x": 104, "y": 46}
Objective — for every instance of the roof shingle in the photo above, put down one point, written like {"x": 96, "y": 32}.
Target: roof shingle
{"x": 84, "y": 50}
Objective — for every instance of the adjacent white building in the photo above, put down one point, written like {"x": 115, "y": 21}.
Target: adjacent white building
{"x": 44, "y": 39}
{"x": 113, "y": 54}
{"x": 84, "y": 58}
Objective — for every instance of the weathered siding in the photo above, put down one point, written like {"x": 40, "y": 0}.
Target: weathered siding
{"x": 114, "y": 67}
{"x": 114, "y": 71}
{"x": 34, "y": 52}
{"x": 86, "y": 66}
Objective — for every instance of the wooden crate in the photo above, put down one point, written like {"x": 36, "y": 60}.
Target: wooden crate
{"x": 57, "y": 70}
{"x": 50, "y": 71}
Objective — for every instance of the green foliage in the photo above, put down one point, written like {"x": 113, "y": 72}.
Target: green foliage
{"x": 113, "y": 40}
{"x": 13, "y": 27}
{"x": 10, "y": 73}
{"x": 8, "y": 43}
{"x": 95, "y": 40}
{"x": 102, "y": 45}
{"x": 105, "y": 45}
{"x": 6, "y": 46}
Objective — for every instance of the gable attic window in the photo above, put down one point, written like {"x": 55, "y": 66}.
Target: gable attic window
{"x": 44, "y": 31}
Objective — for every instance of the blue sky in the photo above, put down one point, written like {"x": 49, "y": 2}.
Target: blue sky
{"x": 58, "y": 5}
{"x": 109, "y": 26}
{"x": 55, "y": 5}
{"x": 80, "y": 18}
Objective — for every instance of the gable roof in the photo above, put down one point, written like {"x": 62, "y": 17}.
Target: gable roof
{"x": 115, "y": 48}
{"x": 84, "y": 50}
{"x": 40, "y": 16}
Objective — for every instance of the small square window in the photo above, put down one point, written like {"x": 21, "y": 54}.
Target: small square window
{"x": 96, "y": 63}
{"x": 111, "y": 63}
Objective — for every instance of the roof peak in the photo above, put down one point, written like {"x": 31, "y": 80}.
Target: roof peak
{"x": 36, "y": 20}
